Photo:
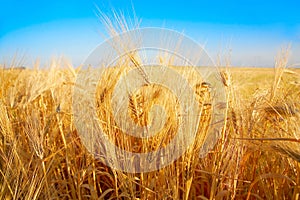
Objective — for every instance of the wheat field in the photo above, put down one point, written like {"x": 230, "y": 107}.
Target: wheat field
{"x": 256, "y": 157}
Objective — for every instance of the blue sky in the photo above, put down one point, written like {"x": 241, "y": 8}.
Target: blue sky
{"x": 253, "y": 31}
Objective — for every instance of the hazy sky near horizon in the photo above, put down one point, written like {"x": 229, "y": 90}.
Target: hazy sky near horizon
{"x": 252, "y": 31}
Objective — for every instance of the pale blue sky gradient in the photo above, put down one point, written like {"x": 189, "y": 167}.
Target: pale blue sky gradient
{"x": 254, "y": 31}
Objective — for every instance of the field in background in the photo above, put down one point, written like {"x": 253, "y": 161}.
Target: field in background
{"x": 257, "y": 156}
